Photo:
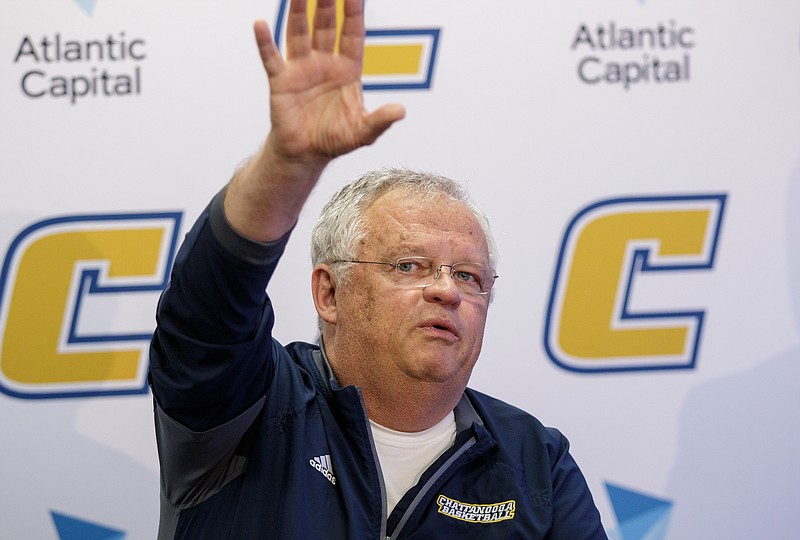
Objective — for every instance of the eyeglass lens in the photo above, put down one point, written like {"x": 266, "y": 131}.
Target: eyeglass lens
{"x": 470, "y": 278}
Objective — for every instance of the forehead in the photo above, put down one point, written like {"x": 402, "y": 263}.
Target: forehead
{"x": 401, "y": 223}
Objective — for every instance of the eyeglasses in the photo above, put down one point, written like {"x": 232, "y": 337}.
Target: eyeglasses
{"x": 470, "y": 278}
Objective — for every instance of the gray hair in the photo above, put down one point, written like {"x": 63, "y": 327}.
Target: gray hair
{"x": 340, "y": 227}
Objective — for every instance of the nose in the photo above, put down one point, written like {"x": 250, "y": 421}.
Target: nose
{"x": 443, "y": 290}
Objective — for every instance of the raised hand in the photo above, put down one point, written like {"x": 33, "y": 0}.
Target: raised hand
{"x": 316, "y": 104}
{"x": 317, "y": 113}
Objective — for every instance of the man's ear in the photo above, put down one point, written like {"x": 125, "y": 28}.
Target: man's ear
{"x": 323, "y": 290}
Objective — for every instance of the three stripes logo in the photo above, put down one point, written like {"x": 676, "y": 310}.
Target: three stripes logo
{"x": 324, "y": 465}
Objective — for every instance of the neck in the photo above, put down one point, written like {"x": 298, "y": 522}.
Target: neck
{"x": 411, "y": 409}
{"x": 397, "y": 402}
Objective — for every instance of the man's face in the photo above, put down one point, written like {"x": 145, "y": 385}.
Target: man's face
{"x": 431, "y": 334}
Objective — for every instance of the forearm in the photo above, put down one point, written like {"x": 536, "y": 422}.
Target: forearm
{"x": 264, "y": 198}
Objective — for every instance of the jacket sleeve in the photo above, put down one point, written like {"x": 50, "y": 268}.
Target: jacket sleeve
{"x": 575, "y": 516}
{"x": 212, "y": 353}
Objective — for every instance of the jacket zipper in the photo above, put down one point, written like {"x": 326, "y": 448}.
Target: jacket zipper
{"x": 427, "y": 487}
{"x": 377, "y": 465}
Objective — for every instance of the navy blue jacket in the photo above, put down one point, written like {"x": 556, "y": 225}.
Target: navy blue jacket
{"x": 257, "y": 440}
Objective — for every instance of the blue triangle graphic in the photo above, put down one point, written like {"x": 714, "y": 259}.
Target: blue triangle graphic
{"x": 71, "y": 528}
{"x": 640, "y": 516}
{"x": 86, "y": 5}
{"x": 628, "y": 504}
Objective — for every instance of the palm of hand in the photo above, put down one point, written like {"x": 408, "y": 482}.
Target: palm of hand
{"x": 316, "y": 102}
{"x": 316, "y": 105}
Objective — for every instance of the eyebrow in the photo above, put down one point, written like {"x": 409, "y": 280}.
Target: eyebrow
{"x": 410, "y": 249}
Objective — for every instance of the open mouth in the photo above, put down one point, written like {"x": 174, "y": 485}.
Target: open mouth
{"x": 440, "y": 326}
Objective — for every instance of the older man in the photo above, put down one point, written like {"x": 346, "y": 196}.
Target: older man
{"x": 372, "y": 433}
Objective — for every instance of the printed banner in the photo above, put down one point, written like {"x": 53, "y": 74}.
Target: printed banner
{"x": 640, "y": 164}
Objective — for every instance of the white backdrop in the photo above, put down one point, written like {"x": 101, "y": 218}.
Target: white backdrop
{"x": 650, "y": 146}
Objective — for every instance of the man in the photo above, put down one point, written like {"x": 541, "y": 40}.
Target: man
{"x": 371, "y": 434}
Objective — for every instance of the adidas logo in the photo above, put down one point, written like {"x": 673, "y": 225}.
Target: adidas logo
{"x": 323, "y": 464}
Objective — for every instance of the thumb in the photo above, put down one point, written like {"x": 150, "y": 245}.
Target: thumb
{"x": 381, "y": 119}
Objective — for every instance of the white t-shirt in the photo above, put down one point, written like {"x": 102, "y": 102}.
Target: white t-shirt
{"x": 405, "y": 456}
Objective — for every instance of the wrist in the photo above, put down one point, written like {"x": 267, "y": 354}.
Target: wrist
{"x": 264, "y": 199}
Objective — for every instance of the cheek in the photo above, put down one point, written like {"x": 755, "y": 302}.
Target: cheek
{"x": 366, "y": 301}
{"x": 367, "y": 311}
{"x": 388, "y": 313}
{"x": 370, "y": 296}
{"x": 478, "y": 326}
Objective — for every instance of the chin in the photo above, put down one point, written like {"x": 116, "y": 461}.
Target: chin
{"x": 439, "y": 371}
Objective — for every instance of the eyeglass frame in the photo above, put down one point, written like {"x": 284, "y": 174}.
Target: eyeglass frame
{"x": 436, "y": 274}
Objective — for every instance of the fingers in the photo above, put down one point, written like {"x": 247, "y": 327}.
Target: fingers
{"x": 351, "y": 43}
{"x": 298, "y": 42}
{"x": 324, "y": 38}
{"x": 301, "y": 40}
{"x": 267, "y": 50}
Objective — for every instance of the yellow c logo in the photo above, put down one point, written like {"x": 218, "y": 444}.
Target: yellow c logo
{"x": 591, "y": 323}
{"x": 77, "y": 297}
{"x": 394, "y": 59}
